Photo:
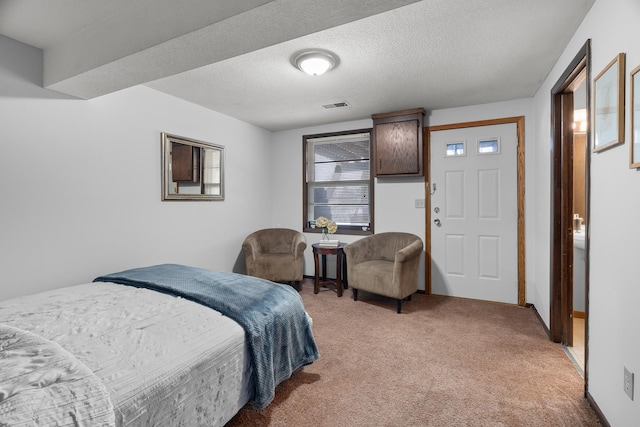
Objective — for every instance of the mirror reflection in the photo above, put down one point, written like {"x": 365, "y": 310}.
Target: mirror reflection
{"x": 191, "y": 170}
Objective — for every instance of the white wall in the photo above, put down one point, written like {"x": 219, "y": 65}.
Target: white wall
{"x": 614, "y": 291}
{"x": 287, "y": 180}
{"x": 80, "y": 182}
{"x": 394, "y": 197}
{"x": 394, "y": 210}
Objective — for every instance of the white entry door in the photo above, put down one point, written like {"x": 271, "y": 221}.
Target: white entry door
{"x": 474, "y": 217}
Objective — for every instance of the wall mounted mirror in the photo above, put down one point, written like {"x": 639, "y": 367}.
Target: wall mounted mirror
{"x": 191, "y": 170}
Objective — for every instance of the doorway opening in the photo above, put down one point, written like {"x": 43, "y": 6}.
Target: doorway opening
{"x": 580, "y": 149}
{"x": 570, "y": 171}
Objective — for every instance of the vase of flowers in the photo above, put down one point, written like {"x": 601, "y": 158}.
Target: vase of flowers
{"x": 327, "y": 227}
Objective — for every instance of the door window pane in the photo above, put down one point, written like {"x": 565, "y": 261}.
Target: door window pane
{"x": 489, "y": 146}
{"x": 455, "y": 149}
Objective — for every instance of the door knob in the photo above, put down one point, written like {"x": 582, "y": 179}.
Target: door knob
{"x": 437, "y": 222}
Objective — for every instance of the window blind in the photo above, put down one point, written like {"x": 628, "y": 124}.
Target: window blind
{"x": 338, "y": 179}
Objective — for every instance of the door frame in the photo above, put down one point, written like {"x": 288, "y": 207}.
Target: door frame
{"x": 519, "y": 121}
{"x": 561, "y": 260}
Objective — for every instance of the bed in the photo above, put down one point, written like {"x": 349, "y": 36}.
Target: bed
{"x": 159, "y": 345}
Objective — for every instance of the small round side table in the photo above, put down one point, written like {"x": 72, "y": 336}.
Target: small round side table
{"x": 341, "y": 267}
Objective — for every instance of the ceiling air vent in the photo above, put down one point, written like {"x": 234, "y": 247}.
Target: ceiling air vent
{"x": 341, "y": 104}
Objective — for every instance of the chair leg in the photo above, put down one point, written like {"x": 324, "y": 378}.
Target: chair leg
{"x": 409, "y": 298}
{"x": 399, "y": 306}
{"x": 355, "y": 294}
{"x": 296, "y": 284}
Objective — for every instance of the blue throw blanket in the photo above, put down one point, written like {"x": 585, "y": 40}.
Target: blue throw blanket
{"x": 272, "y": 315}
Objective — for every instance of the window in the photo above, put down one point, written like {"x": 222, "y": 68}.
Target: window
{"x": 489, "y": 146}
{"x": 455, "y": 149}
{"x": 338, "y": 183}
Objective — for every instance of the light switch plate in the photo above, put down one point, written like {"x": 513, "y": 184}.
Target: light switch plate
{"x": 628, "y": 383}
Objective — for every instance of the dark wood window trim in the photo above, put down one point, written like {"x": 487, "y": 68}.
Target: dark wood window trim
{"x": 343, "y": 229}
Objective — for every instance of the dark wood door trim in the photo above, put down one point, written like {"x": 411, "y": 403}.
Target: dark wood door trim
{"x": 561, "y": 262}
{"x": 519, "y": 121}
{"x": 566, "y": 213}
{"x": 561, "y": 251}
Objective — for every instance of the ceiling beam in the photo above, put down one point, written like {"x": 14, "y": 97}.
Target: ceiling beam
{"x": 112, "y": 56}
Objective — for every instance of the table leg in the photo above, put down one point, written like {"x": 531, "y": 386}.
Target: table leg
{"x": 316, "y": 284}
{"x": 324, "y": 268}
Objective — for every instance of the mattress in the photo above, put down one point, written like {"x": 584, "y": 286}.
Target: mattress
{"x": 164, "y": 360}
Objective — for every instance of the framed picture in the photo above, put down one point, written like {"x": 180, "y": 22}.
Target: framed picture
{"x": 634, "y": 161}
{"x": 608, "y": 123}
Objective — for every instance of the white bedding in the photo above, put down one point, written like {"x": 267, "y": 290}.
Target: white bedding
{"x": 164, "y": 360}
{"x": 42, "y": 384}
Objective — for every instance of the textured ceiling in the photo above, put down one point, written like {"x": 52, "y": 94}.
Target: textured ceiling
{"x": 234, "y": 57}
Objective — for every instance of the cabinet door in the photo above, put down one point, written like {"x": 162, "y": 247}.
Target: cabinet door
{"x": 398, "y": 148}
{"x": 398, "y": 143}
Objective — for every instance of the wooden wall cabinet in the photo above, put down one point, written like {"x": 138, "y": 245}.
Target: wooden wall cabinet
{"x": 398, "y": 145}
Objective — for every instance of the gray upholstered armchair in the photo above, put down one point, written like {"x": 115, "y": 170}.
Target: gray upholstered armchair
{"x": 275, "y": 254}
{"x": 385, "y": 264}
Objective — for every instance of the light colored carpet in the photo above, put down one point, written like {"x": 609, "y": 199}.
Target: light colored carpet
{"x": 442, "y": 362}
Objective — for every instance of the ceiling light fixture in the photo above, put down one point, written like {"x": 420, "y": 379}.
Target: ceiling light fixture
{"x": 315, "y": 62}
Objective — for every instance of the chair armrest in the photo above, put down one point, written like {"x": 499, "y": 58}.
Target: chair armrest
{"x": 409, "y": 252}
{"x": 405, "y": 268}
{"x": 299, "y": 245}
{"x": 251, "y": 247}
{"x": 357, "y": 252}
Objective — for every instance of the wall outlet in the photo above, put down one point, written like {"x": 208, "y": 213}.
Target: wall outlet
{"x": 419, "y": 203}
{"x": 628, "y": 383}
